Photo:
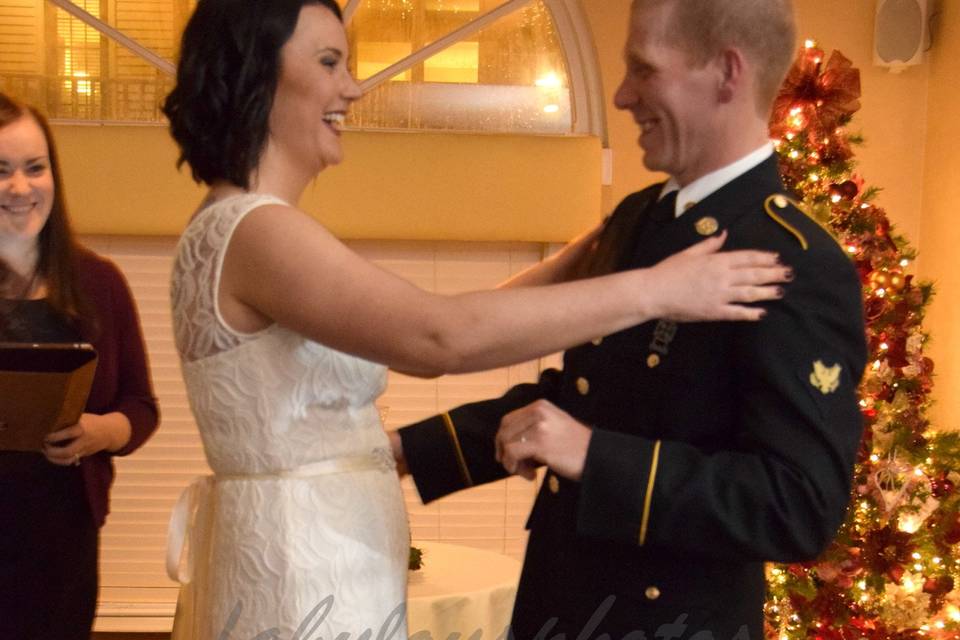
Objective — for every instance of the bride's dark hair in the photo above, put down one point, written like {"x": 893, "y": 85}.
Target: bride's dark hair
{"x": 226, "y": 79}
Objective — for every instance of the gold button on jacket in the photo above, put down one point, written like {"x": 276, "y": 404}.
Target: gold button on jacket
{"x": 583, "y": 386}
{"x": 707, "y": 226}
{"x": 652, "y": 592}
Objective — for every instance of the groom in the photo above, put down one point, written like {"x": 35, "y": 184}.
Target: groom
{"x": 681, "y": 457}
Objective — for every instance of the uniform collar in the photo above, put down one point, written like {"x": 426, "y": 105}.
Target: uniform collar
{"x": 704, "y": 186}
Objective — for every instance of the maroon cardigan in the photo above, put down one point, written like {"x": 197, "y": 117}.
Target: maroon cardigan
{"x": 122, "y": 380}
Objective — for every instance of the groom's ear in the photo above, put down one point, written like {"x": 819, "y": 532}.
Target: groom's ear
{"x": 732, "y": 69}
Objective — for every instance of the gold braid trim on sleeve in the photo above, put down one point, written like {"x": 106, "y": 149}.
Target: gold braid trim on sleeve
{"x": 645, "y": 520}
{"x": 461, "y": 461}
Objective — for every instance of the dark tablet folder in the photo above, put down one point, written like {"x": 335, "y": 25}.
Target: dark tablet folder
{"x": 43, "y": 388}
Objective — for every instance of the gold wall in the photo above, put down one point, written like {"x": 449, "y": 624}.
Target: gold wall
{"x": 402, "y": 186}
{"x": 939, "y": 225}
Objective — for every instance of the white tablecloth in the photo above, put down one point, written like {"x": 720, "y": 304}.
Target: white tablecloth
{"x": 461, "y": 590}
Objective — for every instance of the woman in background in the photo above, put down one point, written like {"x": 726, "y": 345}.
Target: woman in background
{"x": 283, "y": 334}
{"x": 53, "y": 502}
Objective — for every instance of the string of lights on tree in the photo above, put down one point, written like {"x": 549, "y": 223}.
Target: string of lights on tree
{"x": 891, "y": 573}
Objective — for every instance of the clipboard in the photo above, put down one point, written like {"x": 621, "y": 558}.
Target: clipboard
{"x": 43, "y": 388}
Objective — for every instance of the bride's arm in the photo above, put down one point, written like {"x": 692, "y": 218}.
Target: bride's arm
{"x": 557, "y": 267}
{"x": 283, "y": 266}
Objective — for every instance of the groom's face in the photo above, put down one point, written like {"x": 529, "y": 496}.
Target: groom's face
{"x": 672, "y": 102}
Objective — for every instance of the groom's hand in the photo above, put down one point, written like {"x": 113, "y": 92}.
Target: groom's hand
{"x": 542, "y": 433}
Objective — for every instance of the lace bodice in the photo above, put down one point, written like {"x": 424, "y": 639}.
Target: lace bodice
{"x": 269, "y": 400}
{"x": 198, "y": 327}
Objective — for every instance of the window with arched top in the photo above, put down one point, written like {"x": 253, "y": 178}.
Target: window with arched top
{"x": 504, "y": 66}
{"x": 469, "y": 65}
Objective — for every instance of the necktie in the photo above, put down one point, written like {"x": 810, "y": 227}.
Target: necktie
{"x": 666, "y": 209}
{"x": 661, "y": 214}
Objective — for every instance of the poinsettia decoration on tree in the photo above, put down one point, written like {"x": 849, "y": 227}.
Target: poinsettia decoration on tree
{"x": 891, "y": 572}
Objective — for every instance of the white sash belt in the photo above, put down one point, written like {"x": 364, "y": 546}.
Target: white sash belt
{"x": 190, "y": 516}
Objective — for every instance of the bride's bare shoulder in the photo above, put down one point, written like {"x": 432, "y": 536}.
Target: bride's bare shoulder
{"x": 283, "y": 231}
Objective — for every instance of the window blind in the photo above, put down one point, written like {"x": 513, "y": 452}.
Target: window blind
{"x": 21, "y": 37}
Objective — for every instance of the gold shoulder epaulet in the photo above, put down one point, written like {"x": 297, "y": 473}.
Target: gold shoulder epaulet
{"x": 780, "y": 201}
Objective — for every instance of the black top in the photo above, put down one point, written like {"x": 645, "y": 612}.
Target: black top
{"x": 35, "y": 321}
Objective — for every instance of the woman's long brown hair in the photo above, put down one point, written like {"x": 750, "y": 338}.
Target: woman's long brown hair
{"x": 619, "y": 232}
{"x": 57, "y": 247}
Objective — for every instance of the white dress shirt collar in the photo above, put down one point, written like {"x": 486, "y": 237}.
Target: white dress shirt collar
{"x": 703, "y": 186}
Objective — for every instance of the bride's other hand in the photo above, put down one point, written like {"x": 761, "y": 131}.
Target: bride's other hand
{"x": 558, "y": 267}
{"x": 396, "y": 447}
{"x": 701, "y": 283}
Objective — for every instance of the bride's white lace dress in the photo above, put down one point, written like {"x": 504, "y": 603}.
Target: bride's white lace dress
{"x": 302, "y": 526}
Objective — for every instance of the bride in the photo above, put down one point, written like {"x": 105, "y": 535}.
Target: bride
{"x": 283, "y": 348}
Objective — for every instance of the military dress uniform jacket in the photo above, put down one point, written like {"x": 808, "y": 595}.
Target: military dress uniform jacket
{"x": 714, "y": 447}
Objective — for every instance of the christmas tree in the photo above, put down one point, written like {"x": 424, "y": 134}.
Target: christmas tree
{"x": 891, "y": 572}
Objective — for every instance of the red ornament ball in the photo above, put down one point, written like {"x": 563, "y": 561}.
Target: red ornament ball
{"x": 941, "y": 487}
{"x": 850, "y": 189}
{"x": 952, "y": 525}
{"x": 938, "y": 586}
{"x": 874, "y": 308}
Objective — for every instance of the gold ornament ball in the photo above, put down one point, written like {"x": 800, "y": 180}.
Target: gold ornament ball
{"x": 897, "y": 282}
{"x": 879, "y": 279}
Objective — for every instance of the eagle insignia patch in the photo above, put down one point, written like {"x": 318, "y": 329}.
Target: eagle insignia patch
{"x": 825, "y": 379}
